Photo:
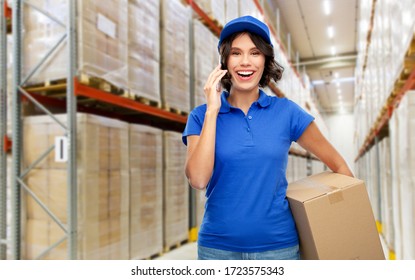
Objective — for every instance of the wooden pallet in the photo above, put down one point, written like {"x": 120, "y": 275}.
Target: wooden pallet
{"x": 141, "y": 99}
{"x": 175, "y": 246}
{"x": 55, "y": 88}
{"x": 175, "y": 111}
{"x": 154, "y": 256}
{"x": 100, "y": 84}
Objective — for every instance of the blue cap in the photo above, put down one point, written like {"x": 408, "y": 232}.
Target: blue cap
{"x": 245, "y": 23}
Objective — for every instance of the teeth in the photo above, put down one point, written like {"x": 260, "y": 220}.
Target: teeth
{"x": 246, "y": 73}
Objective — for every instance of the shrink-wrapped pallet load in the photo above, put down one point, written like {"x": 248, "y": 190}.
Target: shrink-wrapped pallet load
{"x": 175, "y": 80}
{"x": 317, "y": 166}
{"x": 103, "y": 39}
{"x": 231, "y": 10}
{"x": 403, "y": 163}
{"x": 102, "y": 34}
{"x": 102, "y": 188}
{"x": 144, "y": 49}
{"x": 290, "y": 172}
{"x": 176, "y": 191}
{"x": 215, "y": 9}
{"x": 206, "y": 58}
{"x": 40, "y": 34}
{"x": 146, "y": 191}
{"x": 200, "y": 196}
{"x": 386, "y": 194}
{"x": 249, "y": 8}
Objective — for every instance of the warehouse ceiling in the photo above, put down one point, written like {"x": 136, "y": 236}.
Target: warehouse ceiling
{"x": 328, "y": 59}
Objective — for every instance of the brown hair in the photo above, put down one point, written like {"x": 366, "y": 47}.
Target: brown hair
{"x": 273, "y": 70}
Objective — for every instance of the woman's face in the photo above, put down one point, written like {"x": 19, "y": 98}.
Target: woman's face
{"x": 245, "y": 64}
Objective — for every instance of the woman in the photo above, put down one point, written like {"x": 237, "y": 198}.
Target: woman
{"x": 237, "y": 148}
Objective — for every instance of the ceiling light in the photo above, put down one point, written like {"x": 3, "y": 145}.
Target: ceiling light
{"x": 326, "y": 7}
{"x": 333, "y": 50}
{"x": 339, "y": 91}
{"x": 339, "y": 80}
{"x": 330, "y": 31}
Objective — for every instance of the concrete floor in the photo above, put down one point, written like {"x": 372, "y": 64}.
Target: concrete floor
{"x": 186, "y": 251}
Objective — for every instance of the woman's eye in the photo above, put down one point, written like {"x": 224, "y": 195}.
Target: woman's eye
{"x": 235, "y": 53}
{"x": 256, "y": 53}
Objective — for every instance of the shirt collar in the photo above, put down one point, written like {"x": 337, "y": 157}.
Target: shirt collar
{"x": 264, "y": 100}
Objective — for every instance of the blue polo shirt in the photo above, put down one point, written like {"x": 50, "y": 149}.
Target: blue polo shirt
{"x": 246, "y": 208}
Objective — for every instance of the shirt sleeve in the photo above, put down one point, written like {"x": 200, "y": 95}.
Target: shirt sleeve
{"x": 194, "y": 123}
{"x": 300, "y": 120}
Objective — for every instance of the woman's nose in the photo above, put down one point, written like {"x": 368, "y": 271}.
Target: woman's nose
{"x": 245, "y": 60}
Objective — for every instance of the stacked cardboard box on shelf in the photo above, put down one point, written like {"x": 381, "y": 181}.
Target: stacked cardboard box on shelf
{"x": 119, "y": 49}
{"x": 144, "y": 49}
{"x": 206, "y": 58}
{"x": 381, "y": 68}
{"x": 102, "y": 40}
{"x": 176, "y": 191}
{"x": 317, "y": 167}
{"x": 121, "y": 210}
{"x": 200, "y": 206}
{"x": 215, "y": 9}
{"x": 249, "y": 8}
{"x": 387, "y": 171}
{"x": 175, "y": 68}
{"x": 231, "y": 9}
{"x": 146, "y": 191}
{"x": 40, "y": 34}
{"x": 386, "y": 192}
{"x": 103, "y": 188}
{"x": 390, "y": 38}
{"x": 403, "y": 183}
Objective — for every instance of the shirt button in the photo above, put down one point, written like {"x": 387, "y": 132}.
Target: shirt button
{"x": 249, "y": 117}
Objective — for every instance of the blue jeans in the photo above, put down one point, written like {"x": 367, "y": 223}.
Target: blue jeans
{"x": 290, "y": 253}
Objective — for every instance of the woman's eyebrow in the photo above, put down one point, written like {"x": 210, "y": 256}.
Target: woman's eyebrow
{"x": 236, "y": 48}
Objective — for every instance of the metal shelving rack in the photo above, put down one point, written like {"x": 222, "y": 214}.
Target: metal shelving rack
{"x": 121, "y": 108}
{"x": 18, "y": 174}
{"x": 405, "y": 82}
{"x": 379, "y": 129}
{"x": 4, "y": 18}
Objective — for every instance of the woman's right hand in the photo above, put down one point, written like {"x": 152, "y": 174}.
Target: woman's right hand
{"x": 212, "y": 89}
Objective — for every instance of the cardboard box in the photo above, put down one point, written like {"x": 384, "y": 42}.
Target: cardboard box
{"x": 334, "y": 218}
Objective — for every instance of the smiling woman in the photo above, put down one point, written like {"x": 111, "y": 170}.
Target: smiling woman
{"x": 237, "y": 148}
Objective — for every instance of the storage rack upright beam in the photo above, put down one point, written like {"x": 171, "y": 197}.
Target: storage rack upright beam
{"x": 3, "y": 131}
{"x": 193, "y": 231}
{"x": 18, "y": 174}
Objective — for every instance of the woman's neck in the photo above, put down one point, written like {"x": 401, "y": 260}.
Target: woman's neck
{"x": 243, "y": 100}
